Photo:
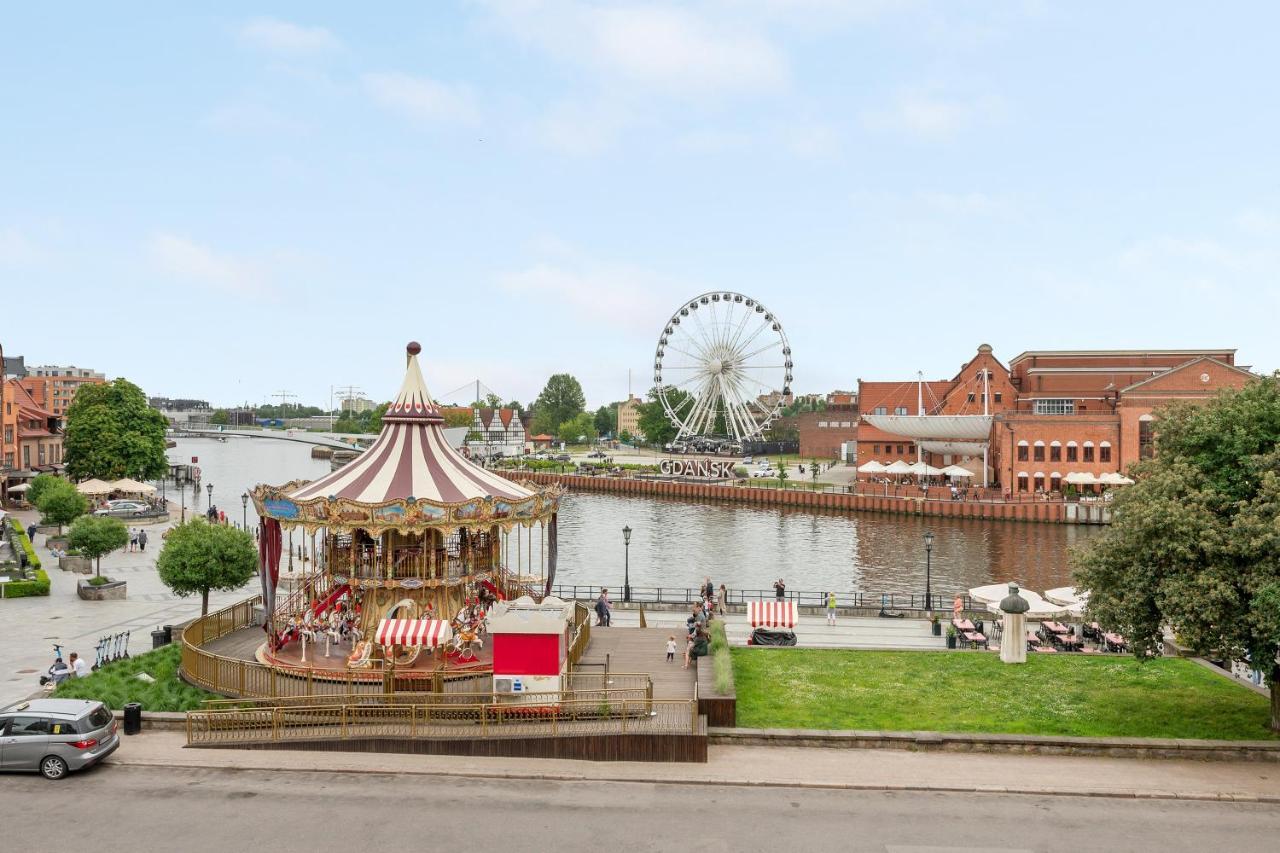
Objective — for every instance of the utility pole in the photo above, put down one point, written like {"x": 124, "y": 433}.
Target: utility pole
{"x": 284, "y": 397}
{"x": 347, "y": 394}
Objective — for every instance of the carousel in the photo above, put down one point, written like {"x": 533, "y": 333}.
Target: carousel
{"x": 404, "y": 551}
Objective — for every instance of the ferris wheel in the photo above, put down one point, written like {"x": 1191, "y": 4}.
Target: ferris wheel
{"x": 722, "y": 367}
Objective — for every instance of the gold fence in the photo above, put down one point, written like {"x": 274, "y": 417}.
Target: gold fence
{"x": 443, "y": 721}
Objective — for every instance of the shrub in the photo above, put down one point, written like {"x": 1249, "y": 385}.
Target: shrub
{"x": 61, "y": 504}
{"x": 24, "y": 542}
{"x": 39, "y": 585}
{"x": 118, "y": 684}
{"x": 97, "y": 535}
{"x": 98, "y": 580}
{"x": 721, "y": 659}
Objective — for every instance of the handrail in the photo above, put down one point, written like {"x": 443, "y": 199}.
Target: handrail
{"x": 803, "y": 598}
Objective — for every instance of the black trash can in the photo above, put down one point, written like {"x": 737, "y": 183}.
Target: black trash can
{"x": 168, "y": 633}
{"x": 158, "y": 639}
{"x": 132, "y": 718}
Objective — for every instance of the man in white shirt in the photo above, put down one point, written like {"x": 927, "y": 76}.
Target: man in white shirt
{"x": 80, "y": 665}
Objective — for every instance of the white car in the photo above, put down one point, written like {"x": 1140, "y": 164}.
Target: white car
{"x": 123, "y": 508}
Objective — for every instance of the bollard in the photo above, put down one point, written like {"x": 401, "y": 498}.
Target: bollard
{"x": 168, "y": 634}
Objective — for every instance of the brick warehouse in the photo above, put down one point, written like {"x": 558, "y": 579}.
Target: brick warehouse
{"x": 1046, "y": 415}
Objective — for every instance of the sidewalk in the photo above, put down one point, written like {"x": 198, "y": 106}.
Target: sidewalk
{"x": 847, "y": 769}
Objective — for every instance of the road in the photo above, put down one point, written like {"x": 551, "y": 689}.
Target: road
{"x": 146, "y": 808}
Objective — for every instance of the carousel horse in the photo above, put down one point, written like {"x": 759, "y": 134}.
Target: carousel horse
{"x": 361, "y": 654}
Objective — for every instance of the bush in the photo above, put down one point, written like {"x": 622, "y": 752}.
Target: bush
{"x": 25, "y": 589}
{"x": 95, "y": 536}
{"x": 98, "y": 580}
{"x": 117, "y": 684}
{"x": 721, "y": 659}
{"x": 61, "y": 504}
{"x": 24, "y": 542}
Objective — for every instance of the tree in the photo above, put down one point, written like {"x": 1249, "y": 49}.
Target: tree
{"x": 37, "y": 487}
{"x": 782, "y": 474}
{"x": 515, "y": 406}
{"x": 625, "y": 436}
{"x": 61, "y": 504}
{"x": 581, "y": 428}
{"x": 606, "y": 419}
{"x": 653, "y": 420}
{"x": 220, "y": 417}
{"x": 1195, "y": 543}
{"x": 374, "y": 422}
{"x": 459, "y": 417}
{"x": 95, "y": 536}
{"x": 199, "y": 557}
{"x": 561, "y": 400}
{"x": 112, "y": 433}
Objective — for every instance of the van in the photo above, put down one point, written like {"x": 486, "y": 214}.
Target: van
{"x": 56, "y": 736}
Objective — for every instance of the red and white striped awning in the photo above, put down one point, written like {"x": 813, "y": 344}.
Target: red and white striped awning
{"x": 413, "y": 632}
{"x": 771, "y": 614}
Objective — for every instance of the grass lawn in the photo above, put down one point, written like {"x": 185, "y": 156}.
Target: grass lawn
{"x": 116, "y": 684}
{"x": 975, "y": 692}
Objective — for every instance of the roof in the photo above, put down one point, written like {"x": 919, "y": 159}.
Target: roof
{"x": 68, "y": 707}
{"x": 1165, "y": 373}
{"x": 411, "y": 458}
{"x": 1112, "y": 353}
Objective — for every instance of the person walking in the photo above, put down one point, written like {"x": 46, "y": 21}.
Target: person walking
{"x": 31, "y": 533}
{"x": 133, "y": 539}
{"x": 671, "y": 648}
{"x": 722, "y": 600}
{"x": 831, "y": 608}
{"x": 142, "y": 540}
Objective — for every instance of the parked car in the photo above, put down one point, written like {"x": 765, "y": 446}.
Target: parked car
{"x": 55, "y": 737}
{"x": 597, "y": 454}
{"x": 123, "y": 508}
{"x": 563, "y": 457}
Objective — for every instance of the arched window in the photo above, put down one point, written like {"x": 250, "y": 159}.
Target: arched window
{"x": 1023, "y": 481}
{"x": 1038, "y": 479}
{"x": 1055, "y": 482}
{"x": 1146, "y": 437}
{"x": 1022, "y": 451}
{"x": 1073, "y": 451}
{"x": 1104, "y": 451}
{"x": 1088, "y": 451}
{"x": 1055, "y": 451}
{"x": 1038, "y": 452}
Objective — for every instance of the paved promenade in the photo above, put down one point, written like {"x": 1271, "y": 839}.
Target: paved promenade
{"x": 813, "y": 632}
{"x": 845, "y": 769}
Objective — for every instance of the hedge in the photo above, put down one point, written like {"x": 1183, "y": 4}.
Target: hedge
{"x": 22, "y": 589}
{"x": 32, "y": 560}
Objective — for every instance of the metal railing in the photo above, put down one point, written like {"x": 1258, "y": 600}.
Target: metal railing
{"x": 889, "y": 601}
{"x": 442, "y": 721}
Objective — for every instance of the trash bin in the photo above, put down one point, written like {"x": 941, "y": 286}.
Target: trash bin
{"x": 158, "y": 639}
{"x": 168, "y": 633}
{"x": 132, "y": 718}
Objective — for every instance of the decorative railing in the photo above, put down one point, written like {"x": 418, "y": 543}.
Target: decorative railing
{"x": 889, "y": 601}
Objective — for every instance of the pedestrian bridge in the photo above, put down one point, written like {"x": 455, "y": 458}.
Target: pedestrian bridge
{"x": 319, "y": 438}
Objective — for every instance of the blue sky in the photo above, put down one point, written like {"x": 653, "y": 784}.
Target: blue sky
{"x": 249, "y": 198}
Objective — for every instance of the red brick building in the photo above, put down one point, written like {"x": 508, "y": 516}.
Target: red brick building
{"x": 1047, "y": 415}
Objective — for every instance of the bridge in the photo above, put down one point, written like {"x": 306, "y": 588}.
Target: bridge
{"x": 454, "y": 435}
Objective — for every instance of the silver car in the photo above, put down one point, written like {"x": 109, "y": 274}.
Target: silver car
{"x": 56, "y": 736}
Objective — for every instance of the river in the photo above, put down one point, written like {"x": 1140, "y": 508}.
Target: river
{"x": 677, "y": 543}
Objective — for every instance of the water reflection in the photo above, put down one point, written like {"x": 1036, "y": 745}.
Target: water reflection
{"x": 677, "y": 543}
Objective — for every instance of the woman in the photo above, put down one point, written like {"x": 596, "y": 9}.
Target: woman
{"x": 724, "y": 597}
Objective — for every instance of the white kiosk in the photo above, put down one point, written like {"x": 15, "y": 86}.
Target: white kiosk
{"x": 530, "y": 648}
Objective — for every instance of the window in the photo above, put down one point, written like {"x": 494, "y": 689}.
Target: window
{"x": 1146, "y": 438}
{"x": 880, "y": 410}
{"x": 1055, "y": 407}
{"x": 971, "y": 397}
{"x": 822, "y": 424}
{"x": 1039, "y": 451}
{"x": 1088, "y": 452}
{"x": 1104, "y": 452}
{"x": 846, "y": 424}
{"x": 26, "y": 456}
{"x": 28, "y": 726}
{"x": 998, "y": 396}
{"x": 900, "y": 451}
{"x": 875, "y": 449}
{"x": 1039, "y": 481}
{"x": 8, "y": 435}
{"x": 901, "y": 410}
{"x": 1022, "y": 481}
{"x": 1022, "y": 451}
{"x": 1073, "y": 452}
{"x": 1055, "y": 452}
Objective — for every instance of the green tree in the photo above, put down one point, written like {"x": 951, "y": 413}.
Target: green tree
{"x": 112, "y": 433}
{"x": 515, "y": 406}
{"x": 37, "y": 487}
{"x": 606, "y": 419}
{"x": 625, "y": 436}
{"x": 561, "y": 400}
{"x": 653, "y": 420}
{"x": 199, "y": 557}
{"x": 61, "y": 504}
{"x": 95, "y": 536}
{"x": 459, "y": 417}
{"x": 374, "y": 421}
{"x": 578, "y": 429}
{"x": 1195, "y": 544}
{"x": 782, "y": 475}
{"x": 220, "y": 417}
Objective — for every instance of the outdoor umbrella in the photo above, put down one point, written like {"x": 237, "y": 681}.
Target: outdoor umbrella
{"x": 133, "y": 487}
{"x": 898, "y": 467}
{"x": 21, "y": 487}
{"x": 1080, "y": 478}
{"x": 923, "y": 469}
{"x": 989, "y": 594}
{"x": 872, "y": 467}
{"x": 957, "y": 471}
{"x": 1040, "y": 609}
{"x": 94, "y": 487}
{"x": 1115, "y": 478}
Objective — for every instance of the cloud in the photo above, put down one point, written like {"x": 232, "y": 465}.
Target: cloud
{"x": 973, "y": 203}
{"x": 1235, "y": 262}
{"x": 17, "y": 250}
{"x": 184, "y": 258}
{"x": 674, "y": 50}
{"x": 930, "y": 116}
{"x": 812, "y": 141}
{"x": 421, "y": 98}
{"x": 276, "y": 36}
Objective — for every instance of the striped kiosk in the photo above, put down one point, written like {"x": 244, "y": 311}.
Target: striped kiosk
{"x": 772, "y": 623}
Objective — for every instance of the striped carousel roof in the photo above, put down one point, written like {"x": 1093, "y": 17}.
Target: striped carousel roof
{"x": 411, "y": 458}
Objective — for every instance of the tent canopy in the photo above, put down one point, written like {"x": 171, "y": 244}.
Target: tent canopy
{"x": 954, "y": 448}
{"x": 1039, "y": 607}
{"x": 924, "y": 469}
{"x": 898, "y": 467}
{"x": 961, "y": 427}
{"x": 1115, "y": 478}
{"x": 413, "y": 632}
{"x": 1080, "y": 478}
{"x": 133, "y": 487}
{"x": 21, "y": 487}
{"x": 772, "y": 614}
{"x": 957, "y": 471}
{"x": 95, "y": 487}
{"x": 872, "y": 467}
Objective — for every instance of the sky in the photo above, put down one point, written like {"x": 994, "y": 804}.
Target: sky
{"x": 228, "y": 202}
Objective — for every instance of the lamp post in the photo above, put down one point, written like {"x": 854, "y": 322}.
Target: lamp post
{"x": 182, "y": 490}
{"x": 244, "y": 511}
{"x": 209, "y": 504}
{"x": 626, "y": 571}
{"x": 928, "y": 568}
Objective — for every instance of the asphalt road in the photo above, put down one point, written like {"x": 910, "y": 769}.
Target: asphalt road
{"x": 142, "y": 809}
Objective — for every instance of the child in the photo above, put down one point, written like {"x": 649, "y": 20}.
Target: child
{"x": 671, "y": 648}
{"x": 831, "y": 608}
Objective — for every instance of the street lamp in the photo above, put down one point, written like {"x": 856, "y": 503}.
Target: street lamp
{"x": 244, "y": 511}
{"x": 928, "y": 566}
{"x": 626, "y": 576}
{"x": 209, "y": 504}
{"x": 182, "y": 490}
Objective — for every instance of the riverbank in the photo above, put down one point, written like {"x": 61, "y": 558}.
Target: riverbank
{"x": 1048, "y": 512}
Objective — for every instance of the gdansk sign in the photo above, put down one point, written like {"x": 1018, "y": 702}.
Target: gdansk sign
{"x": 711, "y": 469}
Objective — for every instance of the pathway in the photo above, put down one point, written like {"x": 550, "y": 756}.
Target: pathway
{"x": 851, "y": 632}
{"x": 636, "y": 649}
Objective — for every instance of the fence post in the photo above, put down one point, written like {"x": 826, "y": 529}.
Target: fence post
{"x": 275, "y": 724}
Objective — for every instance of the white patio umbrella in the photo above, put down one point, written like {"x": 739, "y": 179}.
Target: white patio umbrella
{"x": 898, "y": 467}
{"x": 923, "y": 469}
{"x": 1080, "y": 478}
{"x": 133, "y": 487}
{"x": 989, "y": 594}
{"x": 1067, "y": 596}
{"x": 1115, "y": 478}
{"x": 872, "y": 467}
{"x": 1040, "y": 609}
{"x": 94, "y": 487}
{"x": 957, "y": 471}
{"x": 21, "y": 487}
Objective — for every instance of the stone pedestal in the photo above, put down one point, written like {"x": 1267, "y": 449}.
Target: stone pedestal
{"x": 79, "y": 565}
{"x": 113, "y": 591}
{"x": 1013, "y": 642}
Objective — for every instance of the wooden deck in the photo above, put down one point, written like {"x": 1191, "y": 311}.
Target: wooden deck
{"x": 643, "y": 650}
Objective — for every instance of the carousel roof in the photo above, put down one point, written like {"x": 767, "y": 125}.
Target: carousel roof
{"x": 411, "y": 458}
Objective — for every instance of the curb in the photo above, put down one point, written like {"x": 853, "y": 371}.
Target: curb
{"x": 1123, "y": 794}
